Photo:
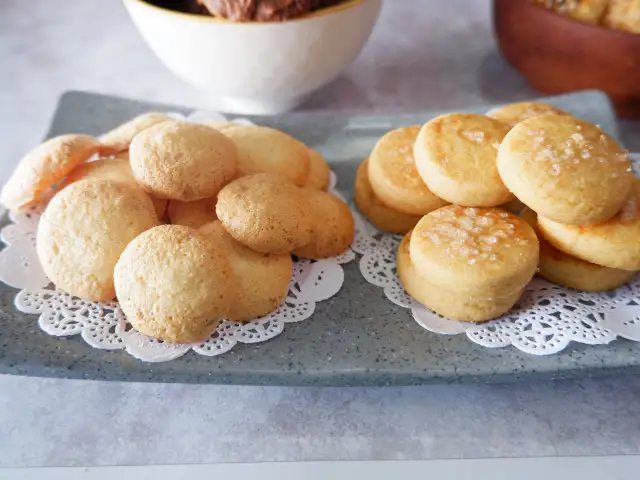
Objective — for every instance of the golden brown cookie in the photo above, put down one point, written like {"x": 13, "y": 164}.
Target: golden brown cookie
{"x": 515, "y": 113}
{"x": 477, "y": 252}
{"x": 119, "y": 139}
{"x": 455, "y": 155}
{"x": 334, "y": 229}
{"x": 266, "y": 213}
{"x": 266, "y": 150}
{"x": 174, "y": 285}
{"x": 393, "y": 175}
{"x": 45, "y": 166}
{"x": 116, "y": 169}
{"x": 382, "y": 217}
{"x": 623, "y": 15}
{"x": 192, "y": 214}
{"x": 183, "y": 161}
{"x": 319, "y": 173}
{"x": 262, "y": 279}
{"x": 451, "y": 305}
{"x": 83, "y": 231}
{"x": 565, "y": 169}
{"x": 614, "y": 243}
{"x": 568, "y": 271}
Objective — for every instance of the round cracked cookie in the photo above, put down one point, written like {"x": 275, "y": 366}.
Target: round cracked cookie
{"x": 266, "y": 150}
{"x": 456, "y": 154}
{"x": 476, "y": 252}
{"x": 116, "y": 169}
{"x": 266, "y": 213}
{"x": 83, "y": 231}
{"x": 119, "y": 139}
{"x": 183, "y": 161}
{"x": 394, "y": 177}
{"x": 565, "y": 169}
{"x": 172, "y": 284}
{"x": 334, "y": 226}
{"x": 319, "y": 173}
{"x": 257, "y": 296}
{"x": 45, "y": 166}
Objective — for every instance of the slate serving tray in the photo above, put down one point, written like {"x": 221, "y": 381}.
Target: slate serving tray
{"x": 357, "y": 338}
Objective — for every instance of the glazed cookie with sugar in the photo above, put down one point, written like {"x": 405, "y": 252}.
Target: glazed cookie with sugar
{"x": 45, "y": 166}
{"x": 192, "y": 214}
{"x": 455, "y": 155}
{"x": 183, "y": 161}
{"x": 266, "y": 150}
{"x": 174, "y": 285}
{"x": 116, "y": 169}
{"x": 565, "y": 270}
{"x": 515, "y": 113}
{"x": 83, "y": 231}
{"x": 319, "y": 173}
{"x": 614, "y": 243}
{"x": 262, "y": 279}
{"x": 333, "y": 228}
{"x": 565, "y": 169}
{"x": 476, "y": 252}
{"x": 382, "y": 217}
{"x": 266, "y": 213}
{"x": 119, "y": 139}
{"x": 448, "y": 304}
{"x": 394, "y": 177}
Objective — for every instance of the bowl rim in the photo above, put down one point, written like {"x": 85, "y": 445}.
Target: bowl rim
{"x": 348, "y": 4}
{"x": 601, "y": 29}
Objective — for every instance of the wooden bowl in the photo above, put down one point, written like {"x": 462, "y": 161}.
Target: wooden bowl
{"x": 557, "y": 54}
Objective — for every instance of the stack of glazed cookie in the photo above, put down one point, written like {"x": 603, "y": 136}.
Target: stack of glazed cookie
{"x": 453, "y": 185}
{"x": 186, "y": 224}
{"x": 582, "y": 198}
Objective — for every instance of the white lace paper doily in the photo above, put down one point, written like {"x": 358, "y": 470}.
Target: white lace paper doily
{"x": 545, "y": 320}
{"x": 104, "y": 326}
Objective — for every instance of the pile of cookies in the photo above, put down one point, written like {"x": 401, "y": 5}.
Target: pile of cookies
{"x": 186, "y": 224}
{"x": 453, "y": 186}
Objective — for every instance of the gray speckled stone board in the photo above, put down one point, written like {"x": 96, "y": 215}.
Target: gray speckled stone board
{"x": 356, "y": 338}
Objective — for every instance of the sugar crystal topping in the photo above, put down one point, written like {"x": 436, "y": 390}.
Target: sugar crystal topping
{"x": 474, "y": 136}
{"x": 575, "y": 149}
{"x": 473, "y": 234}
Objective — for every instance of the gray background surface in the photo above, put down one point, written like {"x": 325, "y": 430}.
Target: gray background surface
{"x": 423, "y": 55}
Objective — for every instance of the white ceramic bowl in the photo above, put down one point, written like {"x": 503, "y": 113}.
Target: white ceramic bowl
{"x": 257, "y": 68}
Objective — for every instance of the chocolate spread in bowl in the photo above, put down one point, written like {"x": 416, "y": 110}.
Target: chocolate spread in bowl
{"x": 248, "y": 10}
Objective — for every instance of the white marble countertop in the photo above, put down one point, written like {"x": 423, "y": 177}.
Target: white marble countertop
{"x": 422, "y": 55}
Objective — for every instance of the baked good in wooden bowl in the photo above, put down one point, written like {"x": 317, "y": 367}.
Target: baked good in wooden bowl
{"x": 568, "y": 46}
